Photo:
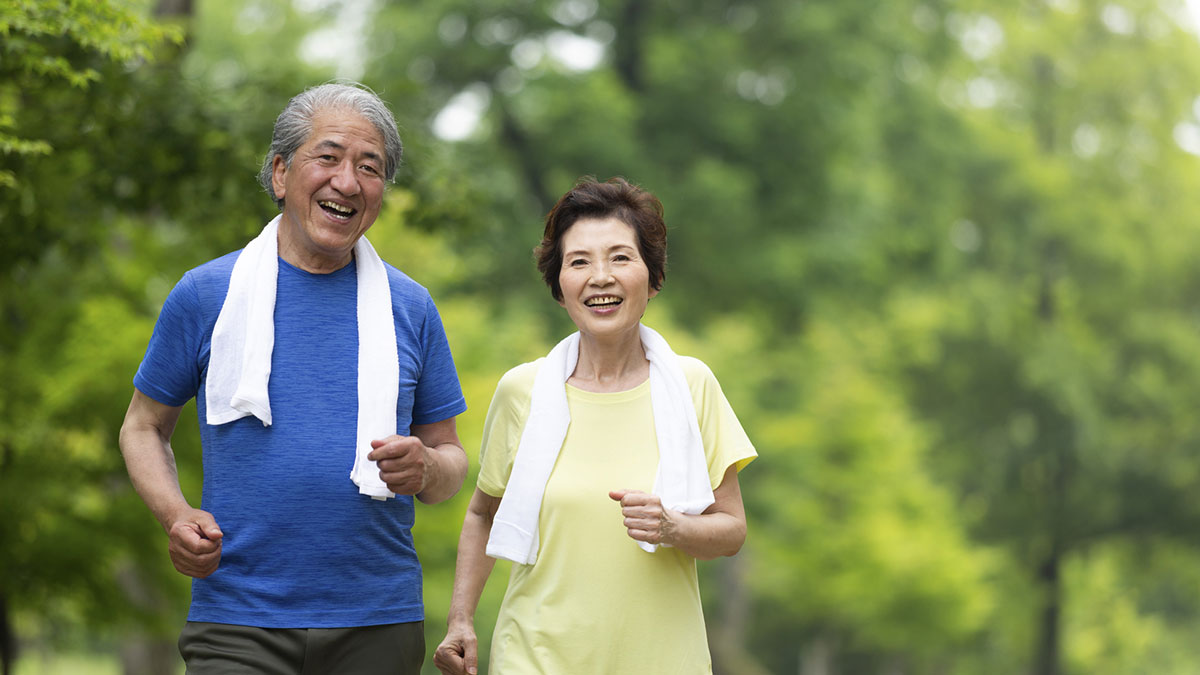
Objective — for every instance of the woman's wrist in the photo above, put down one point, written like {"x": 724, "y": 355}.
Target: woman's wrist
{"x": 460, "y": 618}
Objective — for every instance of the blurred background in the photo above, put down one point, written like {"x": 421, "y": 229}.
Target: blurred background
{"x": 941, "y": 255}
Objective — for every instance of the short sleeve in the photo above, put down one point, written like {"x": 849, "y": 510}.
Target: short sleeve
{"x": 438, "y": 394}
{"x": 170, "y": 371}
{"x": 725, "y": 441}
{"x": 503, "y": 426}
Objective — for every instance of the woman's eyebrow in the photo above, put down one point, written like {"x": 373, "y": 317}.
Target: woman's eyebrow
{"x": 614, "y": 247}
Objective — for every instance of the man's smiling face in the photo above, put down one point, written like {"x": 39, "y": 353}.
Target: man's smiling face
{"x": 332, "y": 191}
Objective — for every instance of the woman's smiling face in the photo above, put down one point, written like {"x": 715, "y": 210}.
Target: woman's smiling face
{"x": 605, "y": 283}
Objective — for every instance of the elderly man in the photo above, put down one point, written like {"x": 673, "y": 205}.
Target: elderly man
{"x": 326, "y": 395}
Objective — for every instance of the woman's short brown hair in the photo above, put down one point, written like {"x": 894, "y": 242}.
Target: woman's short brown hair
{"x": 615, "y": 198}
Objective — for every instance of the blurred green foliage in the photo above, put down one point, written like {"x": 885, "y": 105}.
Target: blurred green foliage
{"x": 938, "y": 252}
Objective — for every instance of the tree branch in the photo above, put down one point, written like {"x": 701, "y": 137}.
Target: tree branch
{"x": 628, "y": 45}
{"x": 517, "y": 140}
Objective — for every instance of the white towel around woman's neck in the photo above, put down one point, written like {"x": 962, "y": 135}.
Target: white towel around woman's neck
{"x": 239, "y": 365}
{"x": 682, "y": 477}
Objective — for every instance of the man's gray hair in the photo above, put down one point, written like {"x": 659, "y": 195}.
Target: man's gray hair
{"x": 295, "y": 123}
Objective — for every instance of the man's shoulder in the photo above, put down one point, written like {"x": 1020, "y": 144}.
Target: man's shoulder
{"x": 206, "y": 283}
{"x": 217, "y": 269}
{"x": 402, "y": 284}
{"x": 409, "y": 298}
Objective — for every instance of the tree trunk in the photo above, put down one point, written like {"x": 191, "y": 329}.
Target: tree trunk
{"x": 8, "y": 640}
{"x": 143, "y": 652}
{"x": 816, "y": 658}
{"x": 727, "y": 639}
{"x": 149, "y": 655}
{"x": 174, "y": 8}
{"x": 1046, "y": 657}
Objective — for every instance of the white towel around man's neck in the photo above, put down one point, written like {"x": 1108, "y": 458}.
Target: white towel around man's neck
{"x": 239, "y": 365}
{"x": 682, "y": 477}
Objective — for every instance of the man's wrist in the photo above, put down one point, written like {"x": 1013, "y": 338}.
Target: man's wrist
{"x": 173, "y": 513}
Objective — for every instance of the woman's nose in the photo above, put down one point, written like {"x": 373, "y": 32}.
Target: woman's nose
{"x": 601, "y": 274}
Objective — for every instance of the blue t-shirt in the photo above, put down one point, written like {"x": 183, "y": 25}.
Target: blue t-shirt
{"x": 302, "y": 548}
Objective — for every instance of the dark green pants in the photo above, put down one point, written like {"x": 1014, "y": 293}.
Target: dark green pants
{"x": 218, "y": 648}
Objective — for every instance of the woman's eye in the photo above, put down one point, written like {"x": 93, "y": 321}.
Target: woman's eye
{"x": 579, "y": 262}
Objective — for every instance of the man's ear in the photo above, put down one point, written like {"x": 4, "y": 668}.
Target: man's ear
{"x": 278, "y": 173}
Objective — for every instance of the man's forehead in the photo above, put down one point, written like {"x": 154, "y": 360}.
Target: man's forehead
{"x": 330, "y": 126}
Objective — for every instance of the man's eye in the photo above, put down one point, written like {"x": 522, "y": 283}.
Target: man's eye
{"x": 369, "y": 169}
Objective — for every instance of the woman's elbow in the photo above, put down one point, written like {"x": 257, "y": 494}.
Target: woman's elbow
{"x": 737, "y": 538}
{"x": 726, "y": 545}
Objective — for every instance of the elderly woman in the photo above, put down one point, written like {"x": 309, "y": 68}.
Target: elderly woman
{"x": 607, "y": 468}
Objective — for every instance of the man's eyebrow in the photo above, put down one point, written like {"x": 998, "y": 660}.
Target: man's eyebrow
{"x": 328, "y": 144}
{"x": 332, "y": 144}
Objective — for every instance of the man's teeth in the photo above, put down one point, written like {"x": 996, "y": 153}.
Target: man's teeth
{"x": 603, "y": 302}
{"x": 344, "y": 210}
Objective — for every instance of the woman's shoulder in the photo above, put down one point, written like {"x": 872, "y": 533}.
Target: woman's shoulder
{"x": 696, "y": 372}
{"x": 517, "y": 383}
{"x": 522, "y": 374}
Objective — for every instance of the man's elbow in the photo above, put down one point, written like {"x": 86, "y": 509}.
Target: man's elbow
{"x": 126, "y": 437}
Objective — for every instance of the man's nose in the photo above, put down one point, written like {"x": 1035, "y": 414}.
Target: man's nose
{"x": 344, "y": 179}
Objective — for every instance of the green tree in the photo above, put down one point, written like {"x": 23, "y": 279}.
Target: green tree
{"x": 1010, "y": 172}
{"x": 54, "y": 489}
{"x": 938, "y": 254}
{"x": 116, "y": 168}
{"x": 1047, "y": 375}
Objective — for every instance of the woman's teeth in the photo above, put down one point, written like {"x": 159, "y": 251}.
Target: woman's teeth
{"x": 606, "y": 301}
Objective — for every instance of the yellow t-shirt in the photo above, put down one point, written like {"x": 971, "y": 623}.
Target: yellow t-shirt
{"x": 594, "y": 602}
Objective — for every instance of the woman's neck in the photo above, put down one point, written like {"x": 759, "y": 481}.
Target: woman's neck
{"x": 609, "y": 365}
